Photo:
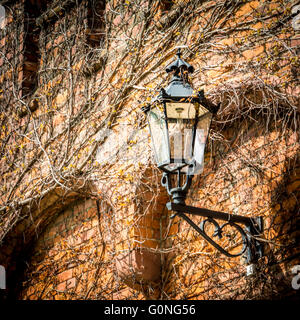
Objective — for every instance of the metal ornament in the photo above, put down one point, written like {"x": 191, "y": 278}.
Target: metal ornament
{"x": 177, "y": 178}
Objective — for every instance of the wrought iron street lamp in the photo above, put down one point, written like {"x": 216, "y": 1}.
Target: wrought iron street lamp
{"x": 179, "y": 121}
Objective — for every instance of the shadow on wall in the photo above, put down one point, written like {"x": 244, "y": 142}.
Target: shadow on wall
{"x": 140, "y": 262}
{"x": 282, "y": 251}
{"x": 258, "y": 178}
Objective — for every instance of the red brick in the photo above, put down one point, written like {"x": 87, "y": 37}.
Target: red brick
{"x": 71, "y": 283}
{"x": 2, "y": 42}
{"x": 293, "y": 186}
{"x": 65, "y": 275}
{"x": 61, "y": 286}
{"x": 91, "y": 233}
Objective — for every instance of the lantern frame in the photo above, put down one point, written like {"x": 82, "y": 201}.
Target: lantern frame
{"x": 198, "y": 101}
{"x": 179, "y": 91}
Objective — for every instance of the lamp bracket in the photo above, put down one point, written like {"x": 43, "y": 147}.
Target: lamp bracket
{"x": 252, "y": 248}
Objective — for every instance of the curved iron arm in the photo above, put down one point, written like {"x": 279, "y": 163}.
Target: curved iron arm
{"x": 252, "y": 248}
{"x": 219, "y": 230}
{"x": 218, "y": 233}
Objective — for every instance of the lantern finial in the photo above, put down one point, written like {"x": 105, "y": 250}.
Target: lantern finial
{"x": 178, "y": 53}
{"x": 179, "y": 64}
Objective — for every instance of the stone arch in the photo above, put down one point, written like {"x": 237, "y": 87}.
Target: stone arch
{"x": 19, "y": 244}
{"x": 69, "y": 259}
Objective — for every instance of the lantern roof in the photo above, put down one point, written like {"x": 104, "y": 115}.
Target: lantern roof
{"x": 179, "y": 85}
{"x": 179, "y": 88}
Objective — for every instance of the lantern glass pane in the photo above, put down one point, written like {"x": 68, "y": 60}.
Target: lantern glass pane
{"x": 187, "y": 137}
{"x": 159, "y": 135}
{"x": 181, "y": 120}
{"x": 180, "y": 139}
{"x": 202, "y": 131}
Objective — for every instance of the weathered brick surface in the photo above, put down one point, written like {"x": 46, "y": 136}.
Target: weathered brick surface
{"x": 82, "y": 213}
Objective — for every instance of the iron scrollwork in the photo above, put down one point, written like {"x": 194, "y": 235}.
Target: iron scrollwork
{"x": 219, "y": 233}
{"x": 252, "y": 248}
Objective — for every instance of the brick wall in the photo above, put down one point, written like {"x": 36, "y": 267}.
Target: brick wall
{"x": 11, "y": 60}
{"x": 69, "y": 257}
{"x": 75, "y": 255}
{"x": 87, "y": 214}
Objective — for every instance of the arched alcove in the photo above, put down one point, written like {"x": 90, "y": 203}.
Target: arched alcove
{"x": 46, "y": 224}
{"x": 69, "y": 259}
